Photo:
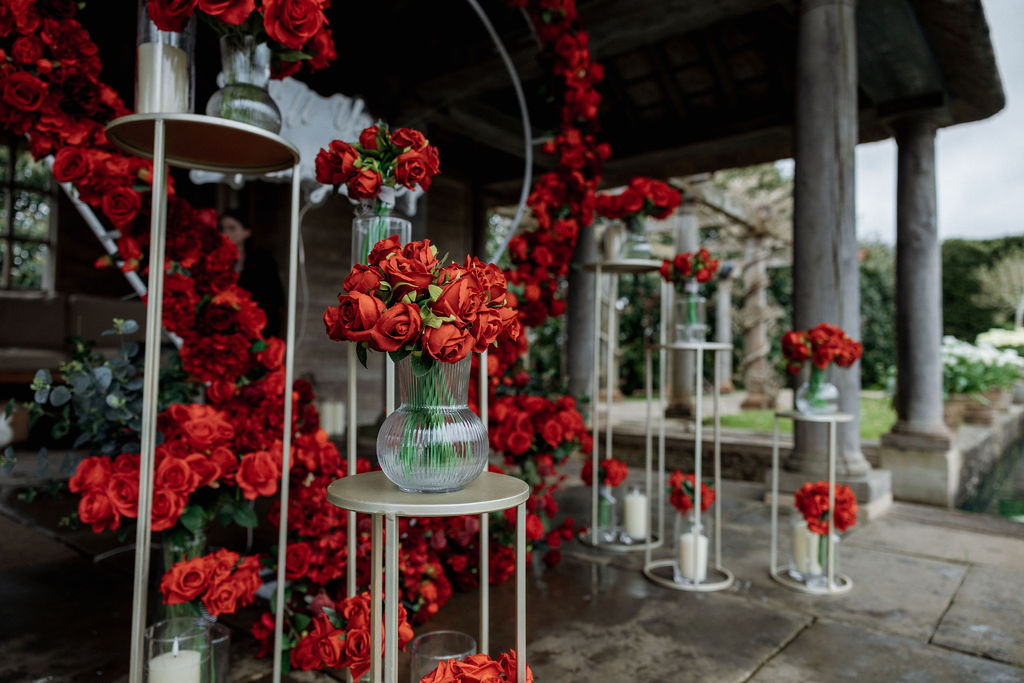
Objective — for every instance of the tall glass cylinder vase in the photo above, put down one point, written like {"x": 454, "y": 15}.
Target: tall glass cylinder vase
{"x": 165, "y": 67}
{"x": 691, "y": 312}
{"x": 809, "y": 560}
{"x": 817, "y": 396}
{"x": 374, "y": 222}
{"x": 244, "y": 77}
{"x": 433, "y": 442}
{"x": 607, "y": 530}
{"x": 178, "y": 545}
{"x": 635, "y": 244}
{"x": 692, "y": 543}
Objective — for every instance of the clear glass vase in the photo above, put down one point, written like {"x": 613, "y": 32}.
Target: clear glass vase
{"x": 691, "y": 548}
{"x": 433, "y": 442}
{"x": 369, "y": 229}
{"x": 691, "y": 323}
{"x": 808, "y": 561}
{"x": 607, "y": 527}
{"x": 164, "y": 67}
{"x": 245, "y": 72}
{"x": 816, "y": 396}
{"x": 634, "y": 243}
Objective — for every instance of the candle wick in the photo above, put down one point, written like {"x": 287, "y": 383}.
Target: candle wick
{"x": 174, "y": 647}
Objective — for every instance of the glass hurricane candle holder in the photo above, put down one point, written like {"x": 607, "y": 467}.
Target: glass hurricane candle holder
{"x": 165, "y": 67}
{"x": 177, "y": 651}
{"x": 430, "y": 649}
{"x": 809, "y": 560}
{"x": 691, "y": 548}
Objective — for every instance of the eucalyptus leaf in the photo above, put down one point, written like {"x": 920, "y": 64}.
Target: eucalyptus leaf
{"x": 41, "y": 395}
{"x": 60, "y": 395}
{"x": 103, "y": 377}
{"x": 130, "y": 350}
{"x": 129, "y": 327}
{"x": 42, "y": 461}
{"x": 82, "y": 439}
{"x": 134, "y": 384}
{"x": 43, "y": 376}
{"x": 80, "y": 382}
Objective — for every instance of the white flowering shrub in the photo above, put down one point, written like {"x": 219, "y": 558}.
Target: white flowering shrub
{"x": 974, "y": 369}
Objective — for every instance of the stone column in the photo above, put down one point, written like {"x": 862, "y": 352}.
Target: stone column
{"x": 580, "y": 316}
{"x": 825, "y": 268}
{"x": 723, "y": 325}
{"x": 681, "y": 386}
{"x": 756, "y": 368}
{"x": 919, "y": 450}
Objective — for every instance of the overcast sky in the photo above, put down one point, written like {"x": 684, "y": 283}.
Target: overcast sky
{"x": 980, "y": 165}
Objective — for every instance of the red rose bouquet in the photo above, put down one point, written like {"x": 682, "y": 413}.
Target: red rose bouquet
{"x": 613, "y": 472}
{"x": 681, "y": 493}
{"x": 686, "y": 268}
{"x": 812, "y": 502}
{"x": 477, "y": 668}
{"x": 295, "y": 30}
{"x": 642, "y": 197}
{"x": 221, "y": 581}
{"x": 822, "y": 345}
{"x": 338, "y": 637}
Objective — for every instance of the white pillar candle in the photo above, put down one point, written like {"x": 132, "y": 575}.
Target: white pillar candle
{"x": 184, "y": 666}
{"x": 162, "y": 79}
{"x": 693, "y": 556}
{"x": 636, "y": 515}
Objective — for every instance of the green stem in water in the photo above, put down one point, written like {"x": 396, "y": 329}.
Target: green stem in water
{"x": 814, "y": 387}
{"x": 425, "y": 412}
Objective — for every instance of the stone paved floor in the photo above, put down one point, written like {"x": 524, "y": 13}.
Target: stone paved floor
{"x": 938, "y": 596}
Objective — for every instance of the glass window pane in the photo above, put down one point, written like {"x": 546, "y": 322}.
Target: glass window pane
{"x": 31, "y": 215}
{"x": 28, "y": 263}
{"x": 5, "y": 156}
{"x": 28, "y": 171}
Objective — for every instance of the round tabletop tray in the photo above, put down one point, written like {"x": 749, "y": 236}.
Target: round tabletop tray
{"x": 207, "y": 143}
{"x": 811, "y": 417}
{"x": 691, "y": 346}
{"x": 624, "y": 266}
{"x": 373, "y": 493}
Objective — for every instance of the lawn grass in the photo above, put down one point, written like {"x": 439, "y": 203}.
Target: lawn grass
{"x": 876, "y": 418}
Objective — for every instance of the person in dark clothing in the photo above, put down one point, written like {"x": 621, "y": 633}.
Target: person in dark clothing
{"x": 257, "y": 270}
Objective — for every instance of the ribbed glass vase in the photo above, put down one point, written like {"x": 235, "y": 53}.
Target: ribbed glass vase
{"x": 433, "y": 442}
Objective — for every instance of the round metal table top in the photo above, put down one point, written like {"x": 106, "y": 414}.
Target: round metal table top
{"x": 374, "y": 493}
{"x": 207, "y": 143}
{"x": 810, "y": 417}
{"x": 692, "y": 346}
{"x": 624, "y": 266}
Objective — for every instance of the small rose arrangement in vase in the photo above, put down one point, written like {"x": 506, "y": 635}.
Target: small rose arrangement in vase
{"x": 642, "y": 197}
{"x": 686, "y": 271}
{"x": 822, "y": 345}
{"x": 428, "y": 317}
{"x": 480, "y": 667}
{"x": 681, "y": 493}
{"x": 338, "y": 637}
{"x": 221, "y": 582}
{"x": 612, "y": 472}
{"x": 369, "y": 171}
{"x": 810, "y": 535}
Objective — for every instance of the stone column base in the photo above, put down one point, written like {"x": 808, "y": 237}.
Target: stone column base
{"x": 924, "y": 470}
{"x": 757, "y": 401}
{"x": 873, "y": 490}
{"x": 680, "y": 409}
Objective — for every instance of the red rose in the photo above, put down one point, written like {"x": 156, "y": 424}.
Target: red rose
{"x": 297, "y": 560}
{"x": 123, "y": 492}
{"x": 224, "y": 562}
{"x": 233, "y": 12}
{"x": 331, "y": 648}
{"x": 273, "y": 356}
{"x": 552, "y": 432}
{"x": 258, "y": 474}
{"x": 356, "y": 316}
{"x": 167, "y": 508}
{"x": 364, "y": 184}
{"x": 631, "y": 201}
{"x": 404, "y": 272}
{"x": 422, "y": 251}
{"x": 446, "y": 672}
{"x": 205, "y": 469}
{"x": 23, "y": 91}
{"x": 71, "y": 165}
{"x": 186, "y": 580}
{"x": 357, "y": 649}
{"x": 414, "y": 168}
{"x": 383, "y": 249}
{"x": 462, "y": 299}
{"x": 396, "y": 327}
{"x": 486, "y": 329}
{"x": 222, "y": 598}
{"x": 534, "y": 527}
{"x": 220, "y": 391}
{"x": 91, "y": 474}
{"x": 447, "y": 343}
{"x": 795, "y": 346}
{"x": 323, "y": 49}
{"x": 226, "y": 461}
{"x": 304, "y": 655}
{"x": 363, "y": 279}
{"x": 121, "y": 205}
{"x": 368, "y": 138}
{"x": 292, "y": 22}
{"x": 823, "y": 355}
{"x": 170, "y": 15}
{"x": 95, "y": 508}
{"x": 336, "y": 164}
{"x": 174, "y": 474}
{"x": 404, "y": 138}
{"x": 27, "y": 50}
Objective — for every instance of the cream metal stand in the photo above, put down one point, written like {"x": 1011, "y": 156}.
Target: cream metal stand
{"x": 724, "y": 577}
{"x": 615, "y": 269}
{"x": 835, "y": 585}
{"x": 207, "y": 143}
{"x": 372, "y": 493}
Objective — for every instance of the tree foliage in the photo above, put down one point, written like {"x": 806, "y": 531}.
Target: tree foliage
{"x": 963, "y": 262}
